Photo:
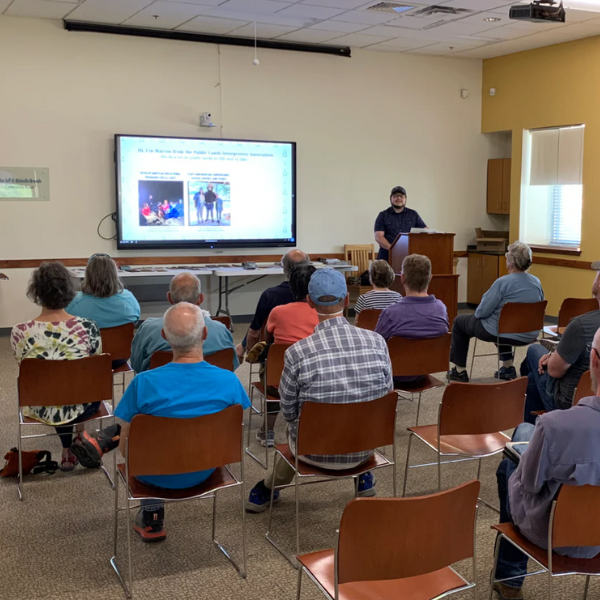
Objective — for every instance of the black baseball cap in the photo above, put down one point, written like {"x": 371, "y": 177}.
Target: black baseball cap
{"x": 398, "y": 190}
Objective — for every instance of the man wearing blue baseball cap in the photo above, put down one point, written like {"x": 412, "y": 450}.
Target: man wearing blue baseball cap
{"x": 335, "y": 346}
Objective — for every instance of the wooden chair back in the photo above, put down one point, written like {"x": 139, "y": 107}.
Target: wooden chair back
{"x": 168, "y": 446}
{"x": 367, "y": 319}
{"x": 160, "y": 358}
{"x": 359, "y": 255}
{"x": 222, "y": 359}
{"x": 584, "y": 388}
{"x": 481, "y": 408}
{"x": 395, "y": 538}
{"x": 224, "y": 319}
{"x": 576, "y": 517}
{"x": 62, "y": 382}
{"x": 573, "y": 307}
{"x": 420, "y": 357}
{"x": 522, "y": 317}
{"x": 116, "y": 341}
{"x": 274, "y": 364}
{"x": 328, "y": 428}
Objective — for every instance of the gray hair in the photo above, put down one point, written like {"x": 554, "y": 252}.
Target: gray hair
{"x": 101, "y": 277}
{"x": 185, "y": 287}
{"x": 183, "y": 325}
{"x": 519, "y": 255}
{"x": 294, "y": 258}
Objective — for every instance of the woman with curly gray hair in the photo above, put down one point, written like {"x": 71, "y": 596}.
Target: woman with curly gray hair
{"x": 517, "y": 286}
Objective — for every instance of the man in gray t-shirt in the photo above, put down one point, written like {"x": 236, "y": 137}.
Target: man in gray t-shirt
{"x": 553, "y": 376}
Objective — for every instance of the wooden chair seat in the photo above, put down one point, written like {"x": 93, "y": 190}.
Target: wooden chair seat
{"x": 473, "y": 445}
{"x": 305, "y": 469}
{"x": 260, "y": 388}
{"x": 103, "y": 411}
{"x": 422, "y": 587}
{"x": 429, "y": 382}
{"x": 560, "y": 564}
{"x": 219, "y": 479}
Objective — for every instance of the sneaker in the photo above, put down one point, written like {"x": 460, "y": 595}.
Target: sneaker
{"x": 269, "y": 442}
{"x": 149, "y": 525}
{"x": 454, "y": 375}
{"x": 366, "y": 485}
{"x": 508, "y": 593}
{"x": 89, "y": 447}
{"x": 506, "y": 374}
{"x": 260, "y": 498}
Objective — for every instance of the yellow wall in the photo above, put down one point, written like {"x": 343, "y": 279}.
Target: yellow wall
{"x": 552, "y": 86}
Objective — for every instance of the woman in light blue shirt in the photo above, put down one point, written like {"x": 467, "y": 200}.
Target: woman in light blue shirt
{"x": 517, "y": 286}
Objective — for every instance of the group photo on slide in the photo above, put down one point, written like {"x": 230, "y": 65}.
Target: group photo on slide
{"x": 209, "y": 203}
{"x": 161, "y": 203}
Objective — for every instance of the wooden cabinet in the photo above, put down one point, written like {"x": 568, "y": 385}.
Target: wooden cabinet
{"x": 483, "y": 270}
{"x": 498, "y": 186}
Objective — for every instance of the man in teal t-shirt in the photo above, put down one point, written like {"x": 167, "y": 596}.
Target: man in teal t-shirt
{"x": 185, "y": 388}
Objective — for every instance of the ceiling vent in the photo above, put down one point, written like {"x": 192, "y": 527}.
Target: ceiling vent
{"x": 391, "y": 7}
{"x": 446, "y": 11}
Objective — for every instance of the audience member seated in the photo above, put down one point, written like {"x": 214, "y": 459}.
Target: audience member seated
{"x": 56, "y": 335}
{"x": 563, "y": 449}
{"x": 185, "y": 287}
{"x": 381, "y": 276}
{"x": 553, "y": 376}
{"x": 418, "y": 315}
{"x": 185, "y": 388}
{"x": 270, "y": 298}
{"x": 517, "y": 286}
{"x": 359, "y": 360}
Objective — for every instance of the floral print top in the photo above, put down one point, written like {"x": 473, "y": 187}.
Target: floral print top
{"x": 61, "y": 340}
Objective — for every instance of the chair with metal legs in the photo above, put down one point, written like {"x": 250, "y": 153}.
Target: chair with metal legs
{"x": 170, "y": 446}
{"x": 574, "y": 521}
{"x": 394, "y": 548}
{"x": 419, "y": 357}
{"x": 515, "y": 317}
{"x": 61, "y": 383}
{"x": 116, "y": 341}
{"x": 222, "y": 359}
{"x": 271, "y": 376}
{"x": 472, "y": 419}
{"x": 569, "y": 309}
{"x": 329, "y": 429}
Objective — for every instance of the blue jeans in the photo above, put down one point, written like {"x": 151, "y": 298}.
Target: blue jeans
{"x": 511, "y": 561}
{"x": 538, "y": 397}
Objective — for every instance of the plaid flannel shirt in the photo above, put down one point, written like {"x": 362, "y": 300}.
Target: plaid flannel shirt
{"x": 339, "y": 363}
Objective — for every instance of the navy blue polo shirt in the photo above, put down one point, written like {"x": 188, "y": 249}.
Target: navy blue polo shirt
{"x": 393, "y": 223}
{"x": 269, "y": 299}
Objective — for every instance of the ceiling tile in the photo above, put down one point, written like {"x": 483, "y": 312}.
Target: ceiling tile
{"x": 310, "y": 36}
{"x": 273, "y": 19}
{"x": 108, "y": 11}
{"x": 170, "y": 15}
{"x": 506, "y": 32}
{"x": 4, "y": 5}
{"x": 480, "y": 20}
{"x": 363, "y": 16}
{"x": 408, "y": 43}
{"x": 304, "y": 11}
{"x": 200, "y": 2}
{"x": 576, "y": 16}
{"x": 359, "y": 40}
{"x": 44, "y": 9}
{"x": 263, "y": 30}
{"x": 259, "y": 7}
{"x": 385, "y": 31}
{"x": 212, "y": 25}
{"x": 342, "y": 26}
{"x": 478, "y": 4}
{"x": 346, "y": 4}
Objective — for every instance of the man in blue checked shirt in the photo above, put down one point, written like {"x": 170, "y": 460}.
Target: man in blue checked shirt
{"x": 363, "y": 372}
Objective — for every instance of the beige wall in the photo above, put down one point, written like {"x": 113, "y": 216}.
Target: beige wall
{"x": 362, "y": 125}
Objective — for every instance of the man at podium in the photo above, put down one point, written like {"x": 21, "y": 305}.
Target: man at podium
{"x": 394, "y": 220}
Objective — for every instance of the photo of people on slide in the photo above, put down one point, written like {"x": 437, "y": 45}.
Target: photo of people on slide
{"x": 209, "y": 203}
{"x": 161, "y": 203}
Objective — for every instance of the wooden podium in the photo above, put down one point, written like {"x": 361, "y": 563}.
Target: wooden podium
{"x": 439, "y": 248}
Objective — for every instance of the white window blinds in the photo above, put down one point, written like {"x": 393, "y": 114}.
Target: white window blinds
{"x": 556, "y": 156}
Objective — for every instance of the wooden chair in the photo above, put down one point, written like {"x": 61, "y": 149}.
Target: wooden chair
{"x": 392, "y": 548}
{"x": 169, "y": 446}
{"x": 271, "y": 377}
{"x": 367, "y": 319}
{"x": 472, "y": 419}
{"x": 326, "y": 429}
{"x": 419, "y": 357}
{"x": 60, "y": 383}
{"x": 222, "y": 359}
{"x": 569, "y": 309}
{"x": 574, "y": 521}
{"x": 515, "y": 317}
{"x": 361, "y": 256}
{"x": 226, "y": 320}
{"x": 116, "y": 341}
{"x": 584, "y": 388}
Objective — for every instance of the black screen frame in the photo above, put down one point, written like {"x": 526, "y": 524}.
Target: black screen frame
{"x": 195, "y": 244}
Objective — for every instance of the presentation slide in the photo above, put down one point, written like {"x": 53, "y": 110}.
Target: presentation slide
{"x": 183, "y": 192}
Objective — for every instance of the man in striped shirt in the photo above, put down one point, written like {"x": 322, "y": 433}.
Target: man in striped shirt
{"x": 339, "y": 363}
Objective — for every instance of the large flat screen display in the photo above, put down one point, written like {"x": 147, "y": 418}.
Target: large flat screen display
{"x": 194, "y": 192}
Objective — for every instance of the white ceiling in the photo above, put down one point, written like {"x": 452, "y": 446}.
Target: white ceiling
{"x": 333, "y": 22}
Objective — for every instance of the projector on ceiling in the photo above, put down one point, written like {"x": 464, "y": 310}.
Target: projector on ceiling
{"x": 538, "y": 12}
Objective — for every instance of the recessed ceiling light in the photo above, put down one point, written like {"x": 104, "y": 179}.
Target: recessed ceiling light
{"x": 492, "y": 19}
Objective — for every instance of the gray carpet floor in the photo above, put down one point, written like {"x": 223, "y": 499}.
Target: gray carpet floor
{"x": 56, "y": 544}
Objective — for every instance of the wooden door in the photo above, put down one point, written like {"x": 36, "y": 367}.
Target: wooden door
{"x": 494, "y": 185}
{"x": 489, "y": 271}
{"x": 474, "y": 278}
{"x": 505, "y": 201}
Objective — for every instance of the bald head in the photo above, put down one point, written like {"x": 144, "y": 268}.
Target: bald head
{"x": 185, "y": 287}
{"x": 183, "y": 327}
{"x": 294, "y": 258}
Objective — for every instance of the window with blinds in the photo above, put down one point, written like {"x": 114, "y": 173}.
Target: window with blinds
{"x": 551, "y": 187}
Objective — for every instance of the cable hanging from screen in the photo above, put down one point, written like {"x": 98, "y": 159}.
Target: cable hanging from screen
{"x": 113, "y": 215}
